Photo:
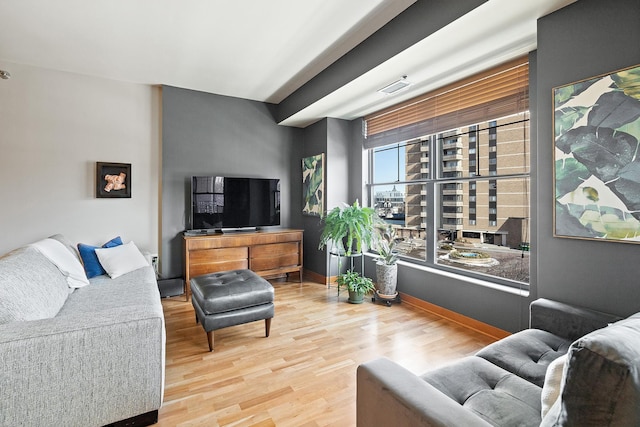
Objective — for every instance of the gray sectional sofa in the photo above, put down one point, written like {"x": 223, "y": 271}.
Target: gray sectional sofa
{"x": 90, "y": 356}
{"x": 580, "y": 365}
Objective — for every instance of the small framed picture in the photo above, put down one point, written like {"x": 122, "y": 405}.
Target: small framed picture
{"x": 113, "y": 180}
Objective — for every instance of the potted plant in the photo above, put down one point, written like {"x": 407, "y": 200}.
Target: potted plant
{"x": 356, "y": 284}
{"x": 348, "y": 225}
{"x": 386, "y": 264}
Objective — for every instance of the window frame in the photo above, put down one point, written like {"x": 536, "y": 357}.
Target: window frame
{"x": 433, "y": 206}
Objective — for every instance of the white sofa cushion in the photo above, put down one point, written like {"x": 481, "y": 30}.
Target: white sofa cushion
{"x": 60, "y": 256}
{"x": 67, "y": 244}
{"x": 121, "y": 259}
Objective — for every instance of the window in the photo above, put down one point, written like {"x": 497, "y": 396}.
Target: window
{"x": 456, "y": 206}
{"x": 452, "y": 184}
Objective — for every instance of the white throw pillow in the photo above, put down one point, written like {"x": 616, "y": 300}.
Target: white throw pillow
{"x": 121, "y": 259}
{"x": 552, "y": 384}
{"x": 62, "y": 258}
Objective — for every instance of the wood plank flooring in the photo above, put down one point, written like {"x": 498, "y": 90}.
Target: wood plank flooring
{"x": 303, "y": 374}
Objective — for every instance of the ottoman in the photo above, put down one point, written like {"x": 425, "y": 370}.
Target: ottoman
{"x": 230, "y": 298}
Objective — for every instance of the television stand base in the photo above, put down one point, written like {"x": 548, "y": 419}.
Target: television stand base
{"x": 238, "y": 230}
{"x": 201, "y": 232}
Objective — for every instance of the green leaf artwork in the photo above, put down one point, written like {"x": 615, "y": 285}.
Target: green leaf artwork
{"x": 566, "y": 117}
{"x": 313, "y": 185}
{"x": 597, "y": 169}
{"x": 566, "y": 93}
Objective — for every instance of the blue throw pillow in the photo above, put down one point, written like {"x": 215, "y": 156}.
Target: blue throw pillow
{"x": 90, "y": 260}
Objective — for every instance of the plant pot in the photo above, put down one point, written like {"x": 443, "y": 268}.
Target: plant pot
{"x": 356, "y": 297}
{"x": 387, "y": 278}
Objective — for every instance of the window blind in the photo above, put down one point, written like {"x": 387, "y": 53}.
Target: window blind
{"x": 494, "y": 93}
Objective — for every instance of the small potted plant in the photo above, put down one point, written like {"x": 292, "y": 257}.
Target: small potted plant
{"x": 386, "y": 264}
{"x": 357, "y": 286}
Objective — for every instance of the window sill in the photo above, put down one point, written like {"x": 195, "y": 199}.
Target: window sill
{"x": 524, "y": 293}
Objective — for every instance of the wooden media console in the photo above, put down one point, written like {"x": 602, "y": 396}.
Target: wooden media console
{"x": 268, "y": 253}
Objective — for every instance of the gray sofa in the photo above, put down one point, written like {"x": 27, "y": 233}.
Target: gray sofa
{"x": 595, "y": 358}
{"x": 90, "y": 356}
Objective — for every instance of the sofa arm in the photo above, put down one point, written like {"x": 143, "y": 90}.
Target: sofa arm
{"x": 566, "y": 320}
{"x": 390, "y": 395}
{"x": 83, "y": 369}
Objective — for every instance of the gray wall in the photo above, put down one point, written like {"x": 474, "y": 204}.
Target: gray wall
{"x": 332, "y": 137}
{"x": 315, "y": 142}
{"x": 585, "y": 39}
{"x": 338, "y": 166}
{"x": 212, "y": 134}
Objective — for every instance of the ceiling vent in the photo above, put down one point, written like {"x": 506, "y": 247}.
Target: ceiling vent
{"x": 396, "y": 86}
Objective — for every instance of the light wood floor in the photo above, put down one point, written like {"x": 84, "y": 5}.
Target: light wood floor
{"x": 304, "y": 373}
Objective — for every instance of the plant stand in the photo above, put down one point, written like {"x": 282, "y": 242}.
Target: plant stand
{"x": 388, "y": 299}
{"x": 351, "y": 262}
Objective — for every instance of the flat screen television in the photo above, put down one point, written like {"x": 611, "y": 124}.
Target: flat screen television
{"x": 222, "y": 203}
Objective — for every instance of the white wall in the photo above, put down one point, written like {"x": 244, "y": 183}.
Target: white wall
{"x": 54, "y": 127}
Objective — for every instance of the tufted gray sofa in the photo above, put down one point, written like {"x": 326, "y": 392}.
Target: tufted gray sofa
{"x": 88, "y": 357}
{"x": 503, "y": 383}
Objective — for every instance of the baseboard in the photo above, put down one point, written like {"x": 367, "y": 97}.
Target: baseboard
{"x": 312, "y": 276}
{"x": 141, "y": 420}
{"x": 458, "y": 318}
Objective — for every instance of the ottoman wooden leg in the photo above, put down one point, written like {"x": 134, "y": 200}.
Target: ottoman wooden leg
{"x": 267, "y": 326}
{"x": 210, "y": 339}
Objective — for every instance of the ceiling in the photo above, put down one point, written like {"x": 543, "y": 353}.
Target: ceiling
{"x": 260, "y": 50}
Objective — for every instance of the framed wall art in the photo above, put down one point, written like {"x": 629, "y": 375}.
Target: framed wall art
{"x": 596, "y": 157}
{"x": 313, "y": 185}
{"x": 113, "y": 180}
